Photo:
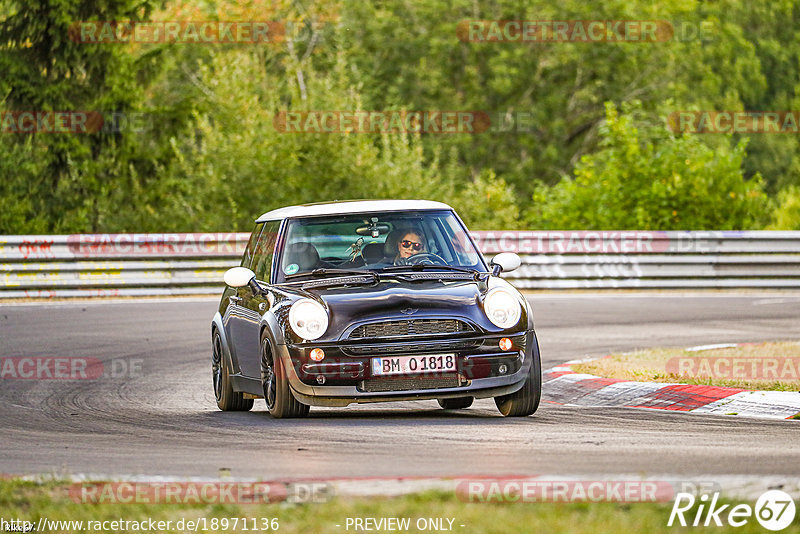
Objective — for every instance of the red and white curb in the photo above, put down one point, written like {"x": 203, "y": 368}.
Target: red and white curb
{"x": 564, "y": 386}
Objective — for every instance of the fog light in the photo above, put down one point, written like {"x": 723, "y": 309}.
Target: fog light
{"x": 317, "y": 355}
{"x": 503, "y": 369}
{"x": 320, "y": 379}
{"x": 505, "y": 344}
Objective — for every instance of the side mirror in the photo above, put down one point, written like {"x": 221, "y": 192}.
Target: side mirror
{"x": 505, "y": 262}
{"x": 239, "y": 276}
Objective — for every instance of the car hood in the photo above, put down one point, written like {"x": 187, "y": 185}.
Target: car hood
{"x": 393, "y": 299}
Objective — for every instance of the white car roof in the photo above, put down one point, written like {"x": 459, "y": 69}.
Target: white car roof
{"x": 351, "y": 206}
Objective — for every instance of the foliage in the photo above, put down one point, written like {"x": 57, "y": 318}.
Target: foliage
{"x": 648, "y": 178}
{"x": 211, "y": 158}
{"x": 787, "y": 213}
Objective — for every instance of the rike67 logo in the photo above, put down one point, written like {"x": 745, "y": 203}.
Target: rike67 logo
{"x": 774, "y": 510}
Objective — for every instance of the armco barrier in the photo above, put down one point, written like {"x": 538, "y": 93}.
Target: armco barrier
{"x": 650, "y": 259}
{"x": 107, "y": 265}
{"x": 171, "y": 264}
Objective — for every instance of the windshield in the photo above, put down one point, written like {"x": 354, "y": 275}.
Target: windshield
{"x": 375, "y": 241}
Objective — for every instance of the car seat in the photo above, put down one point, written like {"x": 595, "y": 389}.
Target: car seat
{"x": 373, "y": 253}
{"x": 303, "y": 254}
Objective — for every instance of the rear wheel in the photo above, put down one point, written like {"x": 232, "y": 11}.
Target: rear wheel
{"x": 277, "y": 394}
{"x": 456, "y": 404}
{"x": 228, "y": 400}
{"x": 525, "y": 401}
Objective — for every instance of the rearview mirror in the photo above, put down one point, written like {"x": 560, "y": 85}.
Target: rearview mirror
{"x": 373, "y": 230}
{"x": 505, "y": 262}
{"x": 239, "y": 276}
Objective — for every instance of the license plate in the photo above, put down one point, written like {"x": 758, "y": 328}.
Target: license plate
{"x": 409, "y": 365}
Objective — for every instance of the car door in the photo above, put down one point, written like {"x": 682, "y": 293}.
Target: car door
{"x": 252, "y": 306}
{"x": 236, "y": 316}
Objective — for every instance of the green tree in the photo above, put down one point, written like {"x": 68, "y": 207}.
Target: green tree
{"x": 645, "y": 177}
{"x": 409, "y": 54}
{"x": 68, "y": 179}
{"x": 236, "y": 164}
{"x": 787, "y": 212}
{"x": 212, "y": 146}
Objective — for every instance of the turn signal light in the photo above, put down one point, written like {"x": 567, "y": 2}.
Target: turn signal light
{"x": 317, "y": 355}
{"x": 505, "y": 344}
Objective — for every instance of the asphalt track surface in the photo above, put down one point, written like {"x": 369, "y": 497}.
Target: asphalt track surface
{"x": 162, "y": 419}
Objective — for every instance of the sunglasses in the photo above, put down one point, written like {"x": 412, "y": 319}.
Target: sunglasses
{"x": 410, "y": 244}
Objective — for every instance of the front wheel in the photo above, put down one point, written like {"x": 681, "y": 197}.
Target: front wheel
{"x": 456, "y": 404}
{"x": 280, "y": 400}
{"x": 525, "y": 401}
{"x": 228, "y": 400}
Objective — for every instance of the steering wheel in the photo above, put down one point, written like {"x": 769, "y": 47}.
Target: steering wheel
{"x": 427, "y": 258}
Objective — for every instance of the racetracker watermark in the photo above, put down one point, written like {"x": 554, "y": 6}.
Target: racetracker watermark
{"x": 73, "y": 122}
{"x": 93, "y": 245}
{"x": 146, "y": 32}
{"x": 726, "y": 122}
{"x": 68, "y": 368}
{"x": 398, "y": 121}
{"x": 595, "y": 242}
{"x": 535, "y": 490}
{"x": 735, "y": 368}
{"x": 583, "y": 31}
{"x": 508, "y": 121}
{"x": 200, "y": 492}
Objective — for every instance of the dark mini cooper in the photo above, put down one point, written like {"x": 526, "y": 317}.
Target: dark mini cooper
{"x": 369, "y": 301}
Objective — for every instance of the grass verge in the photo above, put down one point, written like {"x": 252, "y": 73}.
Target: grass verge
{"x": 30, "y": 501}
{"x": 773, "y": 366}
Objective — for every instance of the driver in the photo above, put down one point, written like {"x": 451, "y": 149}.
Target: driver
{"x": 410, "y": 243}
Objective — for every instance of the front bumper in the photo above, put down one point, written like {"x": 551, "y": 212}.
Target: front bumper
{"x": 483, "y": 371}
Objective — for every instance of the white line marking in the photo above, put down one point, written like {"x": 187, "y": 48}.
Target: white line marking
{"x": 700, "y": 348}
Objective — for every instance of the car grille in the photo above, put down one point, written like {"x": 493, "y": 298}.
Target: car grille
{"x": 376, "y": 385}
{"x": 434, "y": 346}
{"x": 410, "y": 327}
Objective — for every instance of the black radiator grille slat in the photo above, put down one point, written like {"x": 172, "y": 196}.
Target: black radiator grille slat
{"x": 410, "y": 327}
{"x": 374, "y": 385}
{"x": 378, "y": 350}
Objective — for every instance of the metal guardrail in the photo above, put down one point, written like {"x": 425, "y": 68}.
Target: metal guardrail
{"x": 650, "y": 259}
{"x": 172, "y": 264}
{"x": 108, "y": 265}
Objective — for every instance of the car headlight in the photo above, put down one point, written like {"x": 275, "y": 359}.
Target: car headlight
{"x": 502, "y": 307}
{"x": 308, "y": 319}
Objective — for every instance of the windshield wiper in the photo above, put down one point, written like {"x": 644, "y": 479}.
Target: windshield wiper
{"x": 327, "y": 271}
{"x": 423, "y": 266}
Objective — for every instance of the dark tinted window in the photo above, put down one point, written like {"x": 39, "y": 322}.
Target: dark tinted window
{"x": 265, "y": 251}
{"x": 247, "y": 258}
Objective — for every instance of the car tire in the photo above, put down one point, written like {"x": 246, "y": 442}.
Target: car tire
{"x": 525, "y": 401}
{"x": 456, "y": 404}
{"x": 281, "y": 403}
{"x": 228, "y": 400}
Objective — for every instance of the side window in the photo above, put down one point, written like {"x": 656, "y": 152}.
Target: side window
{"x": 437, "y": 243}
{"x": 247, "y": 258}
{"x": 459, "y": 241}
{"x": 265, "y": 250}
